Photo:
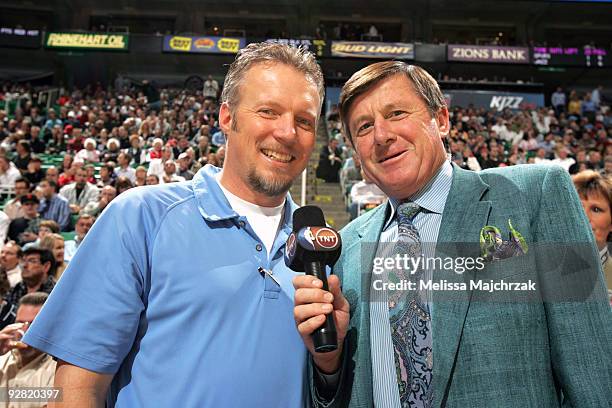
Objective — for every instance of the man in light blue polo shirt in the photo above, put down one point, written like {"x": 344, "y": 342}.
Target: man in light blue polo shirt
{"x": 179, "y": 295}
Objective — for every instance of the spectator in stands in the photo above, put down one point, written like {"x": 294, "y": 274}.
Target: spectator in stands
{"x": 595, "y": 193}
{"x": 574, "y": 106}
{"x": 34, "y": 173}
{"x": 365, "y": 195}
{"x": 88, "y": 154}
{"x": 112, "y": 151}
{"x": 54, "y": 206}
{"x": 156, "y": 151}
{"x": 588, "y": 108}
{"x": 597, "y": 95}
{"x": 203, "y": 147}
{"x": 81, "y": 228}
{"x": 141, "y": 176}
{"x": 107, "y": 194}
{"x": 562, "y": 158}
{"x": 123, "y": 168}
{"x": 46, "y": 227}
{"x": 5, "y": 221}
{"x": 37, "y": 270}
{"x": 38, "y": 146}
{"x": 558, "y": 100}
{"x": 123, "y": 184}
{"x": 21, "y": 366}
{"x": 55, "y": 244}
{"x": 23, "y": 156}
{"x": 79, "y": 193}
{"x": 152, "y": 180}
{"x": 184, "y": 162}
{"x": 211, "y": 88}
{"x": 170, "y": 175}
{"x": 581, "y": 162}
{"x": 67, "y": 175}
{"x": 540, "y": 156}
{"x": 75, "y": 143}
{"x": 218, "y": 139}
{"x": 595, "y": 162}
{"x": 330, "y": 162}
{"x": 56, "y": 143}
{"x": 25, "y": 229}
{"x": 107, "y": 175}
{"x": 157, "y": 165}
{"x": 608, "y": 166}
{"x": 135, "y": 150}
{"x": 10, "y": 255}
{"x": 13, "y": 207}
{"x": 8, "y": 172}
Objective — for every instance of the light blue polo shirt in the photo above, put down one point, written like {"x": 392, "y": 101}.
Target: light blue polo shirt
{"x": 165, "y": 293}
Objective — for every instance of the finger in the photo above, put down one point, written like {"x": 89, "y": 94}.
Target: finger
{"x": 305, "y": 312}
{"x": 340, "y": 302}
{"x": 307, "y": 327}
{"x": 306, "y": 281}
{"x": 308, "y": 295}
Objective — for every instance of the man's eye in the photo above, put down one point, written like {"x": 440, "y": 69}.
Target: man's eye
{"x": 305, "y": 123}
{"x": 267, "y": 112}
{"x": 364, "y": 127}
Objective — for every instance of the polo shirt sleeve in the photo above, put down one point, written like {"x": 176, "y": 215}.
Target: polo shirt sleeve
{"x": 93, "y": 314}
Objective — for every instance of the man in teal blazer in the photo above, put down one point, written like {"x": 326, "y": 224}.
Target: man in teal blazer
{"x": 546, "y": 347}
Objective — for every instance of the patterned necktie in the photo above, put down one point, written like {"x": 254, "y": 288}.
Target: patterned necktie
{"x": 410, "y": 321}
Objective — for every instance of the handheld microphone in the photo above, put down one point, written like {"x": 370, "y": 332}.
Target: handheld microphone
{"x": 310, "y": 247}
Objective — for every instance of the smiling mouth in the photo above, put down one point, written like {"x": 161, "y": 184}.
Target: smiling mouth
{"x": 393, "y": 156}
{"x": 277, "y": 156}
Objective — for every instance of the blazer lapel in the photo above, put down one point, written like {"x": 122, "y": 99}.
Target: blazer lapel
{"x": 356, "y": 287}
{"x": 465, "y": 213}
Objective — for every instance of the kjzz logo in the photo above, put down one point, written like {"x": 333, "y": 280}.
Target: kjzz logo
{"x": 326, "y": 238}
{"x": 502, "y": 102}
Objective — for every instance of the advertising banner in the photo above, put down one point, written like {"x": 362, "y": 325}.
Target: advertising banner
{"x": 493, "y": 99}
{"x": 365, "y": 49}
{"x": 488, "y": 54}
{"x": 91, "y": 41}
{"x": 206, "y": 45}
{"x": 19, "y": 38}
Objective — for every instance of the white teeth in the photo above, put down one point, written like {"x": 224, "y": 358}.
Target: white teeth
{"x": 285, "y": 158}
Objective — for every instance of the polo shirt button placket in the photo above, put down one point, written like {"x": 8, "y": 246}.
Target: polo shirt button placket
{"x": 258, "y": 247}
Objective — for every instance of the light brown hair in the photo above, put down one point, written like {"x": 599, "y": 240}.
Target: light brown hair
{"x": 424, "y": 85}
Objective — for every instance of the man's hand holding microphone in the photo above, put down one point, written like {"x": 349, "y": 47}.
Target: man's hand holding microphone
{"x": 321, "y": 311}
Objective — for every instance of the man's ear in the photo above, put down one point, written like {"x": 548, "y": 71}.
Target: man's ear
{"x": 443, "y": 121}
{"x": 225, "y": 118}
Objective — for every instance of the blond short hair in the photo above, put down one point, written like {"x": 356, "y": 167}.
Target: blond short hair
{"x": 269, "y": 52}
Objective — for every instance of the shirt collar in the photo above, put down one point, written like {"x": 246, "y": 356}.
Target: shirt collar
{"x": 432, "y": 197}
{"x": 213, "y": 204}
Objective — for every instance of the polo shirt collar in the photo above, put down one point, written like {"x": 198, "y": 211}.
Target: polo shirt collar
{"x": 213, "y": 204}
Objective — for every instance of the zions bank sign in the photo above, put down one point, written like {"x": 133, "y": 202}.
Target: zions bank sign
{"x": 488, "y": 54}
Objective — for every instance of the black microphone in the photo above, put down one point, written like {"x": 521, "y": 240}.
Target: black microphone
{"x": 310, "y": 247}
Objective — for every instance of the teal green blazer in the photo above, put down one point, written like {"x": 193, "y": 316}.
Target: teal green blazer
{"x": 551, "y": 348}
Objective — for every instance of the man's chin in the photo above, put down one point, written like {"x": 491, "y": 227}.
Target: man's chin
{"x": 273, "y": 186}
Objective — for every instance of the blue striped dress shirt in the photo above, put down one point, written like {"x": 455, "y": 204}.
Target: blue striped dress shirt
{"x": 432, "y": 199}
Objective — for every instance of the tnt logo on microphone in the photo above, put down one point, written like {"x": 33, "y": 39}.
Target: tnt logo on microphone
{"x": 326, "y": 238}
